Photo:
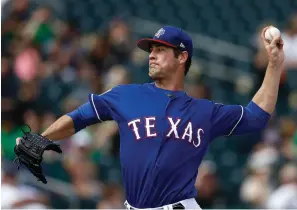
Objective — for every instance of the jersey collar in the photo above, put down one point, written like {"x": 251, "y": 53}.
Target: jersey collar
{"x": 169, "y": 93}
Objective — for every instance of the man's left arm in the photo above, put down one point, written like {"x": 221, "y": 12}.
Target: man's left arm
{"x": 266, "y": 96}
{"x": 230, "y": 120}
{"x": 236, "y": 119}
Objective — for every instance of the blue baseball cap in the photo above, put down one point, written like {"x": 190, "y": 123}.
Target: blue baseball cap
{"x": 169, "y": 36}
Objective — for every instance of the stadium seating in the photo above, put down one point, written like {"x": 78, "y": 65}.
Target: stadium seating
{"x": 231, "y": 20}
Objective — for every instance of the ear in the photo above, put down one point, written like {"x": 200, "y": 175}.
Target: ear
{"x": 183, "y": 57}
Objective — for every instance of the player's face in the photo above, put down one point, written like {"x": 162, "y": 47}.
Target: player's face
{"x": 162, "y": 62}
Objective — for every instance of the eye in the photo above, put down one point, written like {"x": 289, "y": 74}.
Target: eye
{"x": 161, "y": 49}
{"x": 157, "y": 49}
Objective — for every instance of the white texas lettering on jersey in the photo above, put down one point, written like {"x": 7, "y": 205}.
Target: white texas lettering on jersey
{"x": 135, "y": 128}
{"x": 188, "y": 132}
{"x": 149, "y": 125}
{"x": 173, "y": 127}
{"x": 151, "y": 131}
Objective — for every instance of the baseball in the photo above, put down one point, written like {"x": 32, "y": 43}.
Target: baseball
{"x": 271, "y": 32}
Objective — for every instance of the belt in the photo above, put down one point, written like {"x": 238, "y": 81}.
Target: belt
{"x": 178, "y": 205}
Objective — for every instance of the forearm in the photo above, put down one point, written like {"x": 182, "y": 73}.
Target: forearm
{"x": 60, "y": 129}
{"x": 71, "y": 123}
{"x": 266, "y": 96}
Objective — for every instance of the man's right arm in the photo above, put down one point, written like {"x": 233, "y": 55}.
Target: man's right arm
{"x": 98, "y": 109}
{"x": 60, "y": 129}
{"x": 71, "y": 123}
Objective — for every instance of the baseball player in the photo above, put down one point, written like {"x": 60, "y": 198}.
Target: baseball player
{"x": 164, "y": 132}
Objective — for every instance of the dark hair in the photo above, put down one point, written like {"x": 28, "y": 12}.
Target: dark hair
{"x": 177, "y": 52}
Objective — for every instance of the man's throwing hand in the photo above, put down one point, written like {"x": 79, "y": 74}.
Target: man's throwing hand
{"x": 274, "y": 49}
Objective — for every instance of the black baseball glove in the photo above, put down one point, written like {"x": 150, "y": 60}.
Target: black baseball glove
{"x": 29, "y": 152}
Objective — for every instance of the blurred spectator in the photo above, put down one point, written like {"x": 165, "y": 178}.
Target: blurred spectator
{"x": 285, "y": 196}
{"x": 39, "y": 27}
{"x": 27, "y": 64}
{"x": 99, "y": 52}
{"x": 13, "y": 20}
{"x": 287, "y": 129}
{"x": 82, "y": 170}
{"x": 47, "y": 119}
{"x": 112, "y": 198}
{"x": 198, "y": 91}
{"x": 209, "y": 192}
{"x": 121, "y": 43}
{"x": 271, "y": 135}
{"x": 294, "y": 146}
{"x": 18, "y": 12}
{"x": 9, "y": 84}
{"x": 117, "y": 75}
{"x": 31, "y": 118}
{"x": 85, "y": 81}
{"x": 16, "y": 196}
{"x": 264, "y": 162}
{"x": 9, "y": 132}
{"x": 104, "y": 134}
{"x": 290, "y": 41}
{"x": 255, "y": 189}
{"x": 264, "y": 156}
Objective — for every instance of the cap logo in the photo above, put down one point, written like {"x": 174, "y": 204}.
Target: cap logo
{"x": 160, "y": 33}
{"x": 182, "y": 45}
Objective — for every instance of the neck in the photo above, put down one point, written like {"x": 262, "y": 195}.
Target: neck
{"x": 173, "y": 85}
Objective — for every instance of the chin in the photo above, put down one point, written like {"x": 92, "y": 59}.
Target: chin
{"x": 153, "y": 75}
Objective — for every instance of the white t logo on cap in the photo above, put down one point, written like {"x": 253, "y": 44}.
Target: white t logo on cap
{"x": 160, "y": 33}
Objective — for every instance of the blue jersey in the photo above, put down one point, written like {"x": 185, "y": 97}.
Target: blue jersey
{"x": 164, "y": 136}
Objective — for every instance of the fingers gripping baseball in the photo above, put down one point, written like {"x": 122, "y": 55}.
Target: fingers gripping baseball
{"x": 274, "y": 47}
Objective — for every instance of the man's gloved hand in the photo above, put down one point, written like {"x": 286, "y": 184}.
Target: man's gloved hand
{"x": 29, "y": 150}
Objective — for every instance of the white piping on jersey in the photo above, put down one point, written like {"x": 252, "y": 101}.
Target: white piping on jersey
{"x": 105, "y": 92}
{"x": 95, "y": 107}
{"x": 237, "y": 121}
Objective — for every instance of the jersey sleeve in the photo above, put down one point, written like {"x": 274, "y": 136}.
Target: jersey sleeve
{"x": 230, "y": 120}
{"x": 105, "y": 104}
{"x": 225, "y": 118}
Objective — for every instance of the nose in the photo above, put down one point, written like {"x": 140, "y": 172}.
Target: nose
{"x": 152, "y": 55}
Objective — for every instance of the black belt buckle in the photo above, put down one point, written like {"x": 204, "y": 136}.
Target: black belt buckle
{"x": 178, "y": 206}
